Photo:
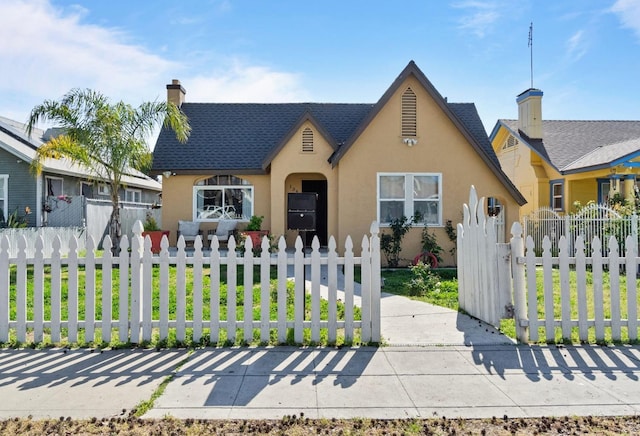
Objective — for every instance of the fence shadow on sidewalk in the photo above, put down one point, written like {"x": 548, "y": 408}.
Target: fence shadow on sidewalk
{"x": 539, "y": 362}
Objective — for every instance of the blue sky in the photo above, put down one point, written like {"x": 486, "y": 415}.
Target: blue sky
{"x": 586, "y": 53}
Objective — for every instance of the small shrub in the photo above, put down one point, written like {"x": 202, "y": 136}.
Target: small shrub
{"x": 150, "y": 224}
{"x": 424, "y": 280}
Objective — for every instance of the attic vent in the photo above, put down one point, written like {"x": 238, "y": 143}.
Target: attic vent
{"x": 511, "y": 142}
{"x": 409, "y": 127}
{"x": 307, "y": 140}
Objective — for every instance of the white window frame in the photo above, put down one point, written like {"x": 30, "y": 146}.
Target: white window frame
{"x": 103, "y": 189}
{"x": 135, "y": 193}
{"x": 196, "y": 189}
{"x": 409, "y": 198}
{"x": 46, "y": 184}
{"x": 560, "y": 196}
{"x": 5, "y": 195}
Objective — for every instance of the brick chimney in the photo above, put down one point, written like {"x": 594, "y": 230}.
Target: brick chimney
{"x": 176, "y": 93}
{"x": 530, "y": 113}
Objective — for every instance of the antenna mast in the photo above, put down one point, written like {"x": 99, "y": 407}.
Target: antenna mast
{"x": 531, "y": 50}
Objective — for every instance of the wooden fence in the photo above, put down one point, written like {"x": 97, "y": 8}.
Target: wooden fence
{"x": 483, "y": 283}
{"x": 569, "y": 293}
{"x": 29, "y": 313}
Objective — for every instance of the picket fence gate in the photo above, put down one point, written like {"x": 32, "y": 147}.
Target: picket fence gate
{"x": 499, "y": 281}
{"x": 136, "y": 297}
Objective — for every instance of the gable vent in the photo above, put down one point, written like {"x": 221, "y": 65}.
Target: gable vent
{"x": 511, "y": 142}
{"x": 409, "y": 117}
{"x": 307, "y": 140}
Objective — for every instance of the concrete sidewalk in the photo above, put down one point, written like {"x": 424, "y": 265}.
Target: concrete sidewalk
{"x": 467, "y": 382}
{"x": 391, "y": 382}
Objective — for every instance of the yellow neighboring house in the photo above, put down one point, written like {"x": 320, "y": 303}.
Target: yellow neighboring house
{"x": 412, "y": 151}
{"x": 555, "y": 163}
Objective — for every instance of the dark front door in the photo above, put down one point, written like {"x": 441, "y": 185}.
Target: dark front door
{"x": 320, "y": 188}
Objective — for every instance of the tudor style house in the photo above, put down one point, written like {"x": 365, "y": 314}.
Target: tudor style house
{"x": 49, "y": 197}
{"x": 412, "y": 151}
{"x": 556, "y": 163}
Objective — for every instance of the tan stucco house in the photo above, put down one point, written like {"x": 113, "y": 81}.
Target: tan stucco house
{"x": 558, "y": 163}
{"x": 412, "y": 151}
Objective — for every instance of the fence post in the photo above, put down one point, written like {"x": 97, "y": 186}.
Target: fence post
{"x": 567, "y": 232}
{"x": 4, "y": 289}
{"x": 519, "y": 293}
{"x": 123, "y": 300}
{"x": 375, "y": 282}
{"x": 107, "y": 289}
{"x": 136, "y": 281}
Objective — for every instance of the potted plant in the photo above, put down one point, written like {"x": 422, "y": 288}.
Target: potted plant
{"x": 151, "y": 228}
{"x": 254, "y": 231}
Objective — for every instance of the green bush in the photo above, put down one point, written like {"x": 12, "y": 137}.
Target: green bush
{"x": 424, "y": 280}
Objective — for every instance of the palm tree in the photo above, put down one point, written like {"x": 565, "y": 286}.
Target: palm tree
{"x": 107, "y": 139}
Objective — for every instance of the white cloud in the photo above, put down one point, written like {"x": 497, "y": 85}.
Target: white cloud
{"x": 480, "y": 18}
{"x": 629, "y": 13}
{"x": 240, "y": 83}
{"x": 576, "y": 46}
{"x": 46, "y": 51}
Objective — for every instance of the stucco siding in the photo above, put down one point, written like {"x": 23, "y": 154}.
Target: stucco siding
{"x": 441, "y": 148}
{"x": 290, "y": 167}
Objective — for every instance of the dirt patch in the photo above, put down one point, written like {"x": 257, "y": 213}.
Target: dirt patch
{"x": 299, "y": 425}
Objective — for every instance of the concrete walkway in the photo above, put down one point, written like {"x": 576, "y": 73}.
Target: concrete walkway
{"x": 437, "y": 363}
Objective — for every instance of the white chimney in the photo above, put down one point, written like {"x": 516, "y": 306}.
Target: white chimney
{"x": 530, "y": 113}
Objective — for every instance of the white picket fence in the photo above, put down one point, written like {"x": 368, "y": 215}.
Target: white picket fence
{"x": 136, "y": 299}
{"x": 498, "y": 281}
{"x": 481, "y": 264}
{"x": 47, "y": 234}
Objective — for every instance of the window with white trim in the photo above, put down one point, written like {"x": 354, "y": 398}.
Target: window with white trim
{"x": 54, "y": 186}
{"x": 103, "y": 189}
{"x": 410, "y": 194}
{"x": 222, "y": 197}
{"x": 4, "y": 196}
{"x": 557, "y": 195}
{"x": 133, "y": 195}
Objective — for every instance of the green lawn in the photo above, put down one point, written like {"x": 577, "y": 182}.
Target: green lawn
{"x": 508, "y": 326}
{"x": 396, "y": 281}
{"x": 222, "y": 339}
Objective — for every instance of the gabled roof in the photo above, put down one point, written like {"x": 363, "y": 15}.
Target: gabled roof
{"x": 572, "y": 146}
{"x": 14, "y": 140}
{"x": 243, "y": 138}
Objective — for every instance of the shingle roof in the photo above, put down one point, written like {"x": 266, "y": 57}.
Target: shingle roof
{"x": 468, "y": 115}
{"x": 238, "y": 136}
{"x": 14, "y": 140}
{"x": 574, "y": 145}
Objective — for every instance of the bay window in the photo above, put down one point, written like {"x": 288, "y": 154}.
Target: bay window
{"x": 410, "y": 194}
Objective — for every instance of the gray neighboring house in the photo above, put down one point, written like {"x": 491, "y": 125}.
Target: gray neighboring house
{"x": 60, "y": 181}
